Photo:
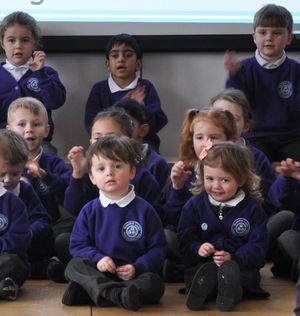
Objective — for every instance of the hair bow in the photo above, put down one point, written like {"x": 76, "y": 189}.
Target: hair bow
{"x": 208, "y": 144}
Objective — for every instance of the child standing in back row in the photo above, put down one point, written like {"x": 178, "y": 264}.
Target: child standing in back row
{"x": 124, "y": 59}
{"x": 271, "y": 83}
{"x": 222, "y": 229}
{"x": 118, "y": 241}
{"x": 24, "y": 73}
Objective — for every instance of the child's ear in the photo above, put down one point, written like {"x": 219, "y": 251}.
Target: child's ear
{"x": 139, "y": 65}
{"x": 290, "y": 38}
{"x": 132, "y": 173}
{"x": 107, "y": 64}
{"x": 47, "y": 130}
{"x": 92, "y": 178}
{"x": 246, "y": 128}
{"x": 8, "y": 127}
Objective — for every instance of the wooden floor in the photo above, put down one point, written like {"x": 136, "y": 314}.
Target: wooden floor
{"x": 43, "y": 297}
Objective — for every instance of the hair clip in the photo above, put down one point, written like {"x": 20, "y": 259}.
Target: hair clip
{"x": 208, "y": 144}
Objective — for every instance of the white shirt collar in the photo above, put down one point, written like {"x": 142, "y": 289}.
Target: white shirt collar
{"x": 16, "y": 71}
{"x": 124, "y": 201}
{"x": 233, "y": 202}
{"x": 38, "y": 156}
{"x": 269, "y": 65}
{"x": 113, "y": 87}
{"x": 16, "y": 189}
{"x": 2, "y": 189}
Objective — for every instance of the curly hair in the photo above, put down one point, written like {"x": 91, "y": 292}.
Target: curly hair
{"x": 235, "y": 159}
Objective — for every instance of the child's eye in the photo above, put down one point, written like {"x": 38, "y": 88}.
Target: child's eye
{"x": 101, "y": 169}
{"x": 21, "y": 124}
{"x": 37, "y": 124}
{"x": 208, "y": 179}
{"x": 118, "y": 166}
{"x": 225, "y": 181}
{"x": 129, "y": 54}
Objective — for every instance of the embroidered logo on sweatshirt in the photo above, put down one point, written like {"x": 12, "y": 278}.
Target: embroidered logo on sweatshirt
{"x": 33, "y": 84}
{"x": 132, "y": 231}
{"x": 240, "y": 227}
{"x": 3, "y": 223}
{"x": 285, "y": 89}
{"x": 41, "y": 187}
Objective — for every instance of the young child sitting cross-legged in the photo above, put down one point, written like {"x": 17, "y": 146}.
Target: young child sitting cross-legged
{"x": 118, "y": 243}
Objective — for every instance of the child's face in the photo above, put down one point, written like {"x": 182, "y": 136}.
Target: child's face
{"x": 111, "y": 177}
{"x": 219, "y": 184}
{"x": 11, "y": 175}
{"x": 236, "y": 111}
{"x": 203, "y": 131}
{"x": 32, "y": 127}
{"x": 123, "y": 63}
{"x": 103, "y": 127}
{"x": 18, "y": 44}
{"x": 271, "y": 41}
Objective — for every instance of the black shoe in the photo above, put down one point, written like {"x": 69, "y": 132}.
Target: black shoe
{"x": 8, "y": 289}
{"x": 129, "y": 297}
{"x": 76, "y": 295}
{"x": 39, "y": 268}
{"x": 56, "y": 271}
{"x": 203, "y": 284}
{"x": 229, "y": 289}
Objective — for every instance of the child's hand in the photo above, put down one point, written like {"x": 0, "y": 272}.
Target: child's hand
{"x": 38, "y": 61}
{"x": 289, "y": 168}
{"x": 138, "y": 94}
{"x": 77, "y": 159}
{"x": 231, "y": 63}
{"x": 221, "y": 256}
{"x": 126, "y": 272}
{"x": 179, "y": 175}
{"x": 206, "y": 249}
{"x": 34, "y": 170}
{"x": 106, "y": 264}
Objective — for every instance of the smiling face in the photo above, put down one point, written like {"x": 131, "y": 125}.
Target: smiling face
{"x": 271, "y": 41}
{"x": 123, "y": 64}
{"x": 32, "y": 127}
{"x": 219, "y": 184}
{"x": 18, "y": 44}
{"x": 111, "y": 177}
{"x": 204, "y": 130}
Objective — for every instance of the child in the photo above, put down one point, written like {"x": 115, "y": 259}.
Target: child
{"x": 24, "y": 73}
{"x": 81, "y": 190}
{"x": 39, "y": 219}
{"x": 198, "y": 127}
{"x": 14, "y": 234}
{"x": 285, "y": 194}
{"x": 222, "y": 229}
{"x": 118, "y": 241}
{"x": 154, "y": 162}
{"x": 123, "y": 59}
{"x": 270, "y": 81}
{"x": 47, "y": 173}
{"x": 235, "y": 101}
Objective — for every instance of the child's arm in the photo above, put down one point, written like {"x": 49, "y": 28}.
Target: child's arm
{"x": 77, "y": 159}
{"x": 179, "y": 175}
{"x": 231, "y": 63}
{"x": 45, "y": 84}
{"x": 285, "y": 190}
{"x": 157, "y": 119}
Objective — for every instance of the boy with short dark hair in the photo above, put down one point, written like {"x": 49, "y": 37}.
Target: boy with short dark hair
{"x": 154, "y": 162}
{"x": 123, "y": 59}
{"x": 118, "y": 241}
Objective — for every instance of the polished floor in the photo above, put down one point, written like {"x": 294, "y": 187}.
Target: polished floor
{"x": 43, "y": 297}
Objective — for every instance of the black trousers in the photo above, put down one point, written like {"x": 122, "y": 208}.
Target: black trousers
{"x": 12, "y": 266}
{"x": 85, "y": 273}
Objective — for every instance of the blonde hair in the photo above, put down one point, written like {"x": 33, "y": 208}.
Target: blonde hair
{"x": 35, "y": 106}
{"x": 222, "y": 119}
{"x": 235, "y": 159}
